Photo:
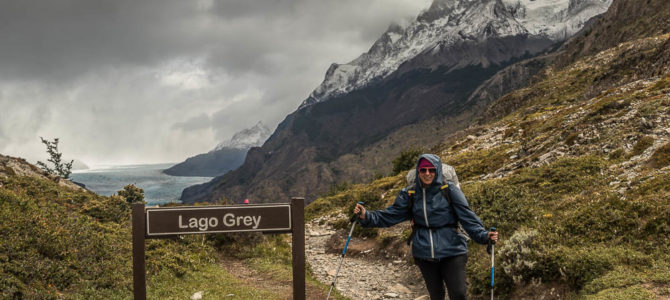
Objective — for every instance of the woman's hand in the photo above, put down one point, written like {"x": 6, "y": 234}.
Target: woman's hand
{"x": 493, "y": 235}
{"x": 360, "y": 211}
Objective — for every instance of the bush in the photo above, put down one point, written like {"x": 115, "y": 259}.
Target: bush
{"x": 642, "y": 144}
{"x": 661, "y": 157}
{"x": 606, "y": 218}
{"x": 516, "y": 255}
{"x": 616, "y": 154}
{"x": 406, "y": 160}
{"x": 575, "y": 266}
{"x": 132, "y": 193}
{"x": 500, "y": 204}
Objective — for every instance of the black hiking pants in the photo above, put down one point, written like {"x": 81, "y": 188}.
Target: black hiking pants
{"x": 449, "y": 271}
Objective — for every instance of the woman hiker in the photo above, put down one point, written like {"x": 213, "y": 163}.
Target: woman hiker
{"x": 438, "y": 249}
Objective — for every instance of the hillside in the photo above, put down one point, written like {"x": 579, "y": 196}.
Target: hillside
{"x": 430, "y": 79}
{"x": 59, "y": 241}
{"x": 226, "y": 156}
{"x": 574, "y": 170}
{"x": 210, "y": 164}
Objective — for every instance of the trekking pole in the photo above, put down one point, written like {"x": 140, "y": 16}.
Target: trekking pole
{"x": 492, "y": 243}
{"x": 353, "y": 220}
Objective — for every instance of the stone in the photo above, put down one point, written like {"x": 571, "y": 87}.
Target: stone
{"x": 400, "y": 289}
{"x": 197, "y": 295}
{"x": 424, "y": 297}
{"x": 390, "y": 295}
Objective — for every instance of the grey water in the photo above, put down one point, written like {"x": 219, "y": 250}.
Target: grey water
{"x": 158, "y": 188}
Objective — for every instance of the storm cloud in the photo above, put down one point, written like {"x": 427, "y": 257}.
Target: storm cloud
{"x": 157, "y": 81}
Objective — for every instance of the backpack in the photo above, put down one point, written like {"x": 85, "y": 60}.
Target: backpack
{"x": 449, "y": 174}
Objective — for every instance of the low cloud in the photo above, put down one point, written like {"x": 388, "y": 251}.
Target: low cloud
{"x": 156, "y": 81}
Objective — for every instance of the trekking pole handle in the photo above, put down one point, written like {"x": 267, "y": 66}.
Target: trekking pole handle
{"x": 493, "y": 229}
{"x": 356, "y": 216}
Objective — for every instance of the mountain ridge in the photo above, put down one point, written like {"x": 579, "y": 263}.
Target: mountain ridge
{"x": 226, "y": 156}
{"x": 448, "y": 23}
{"x": 326, "y": 142}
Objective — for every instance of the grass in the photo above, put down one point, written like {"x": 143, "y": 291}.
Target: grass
{"x": 60, "y": 243}
{"x": 563, "y": 223}
{"x": 213, "y": 280}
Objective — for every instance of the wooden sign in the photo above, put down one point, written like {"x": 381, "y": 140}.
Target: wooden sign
{"x": 153, "y": 223}
{"x": 218, "y": 219}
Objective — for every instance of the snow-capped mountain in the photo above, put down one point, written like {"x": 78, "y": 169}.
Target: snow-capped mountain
{"x": 429, "y": 79}
{"x": 450, "y": 22}
{"x": 247, "y": 138}
{"x": 225, "y": 157}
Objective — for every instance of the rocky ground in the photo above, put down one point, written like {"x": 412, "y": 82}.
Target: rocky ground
{"x": 362, "y": 275}
{"x": 14, "y": 166}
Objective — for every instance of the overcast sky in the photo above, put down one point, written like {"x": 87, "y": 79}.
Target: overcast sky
{"x": 127, "y": 81}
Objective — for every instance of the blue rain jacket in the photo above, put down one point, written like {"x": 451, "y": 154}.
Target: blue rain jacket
{"x": 436, "y": 236}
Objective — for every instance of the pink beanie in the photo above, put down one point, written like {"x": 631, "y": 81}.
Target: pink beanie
{"x": 424, "y": 163}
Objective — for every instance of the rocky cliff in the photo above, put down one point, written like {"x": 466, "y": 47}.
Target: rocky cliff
{"x": 413, "y": 87}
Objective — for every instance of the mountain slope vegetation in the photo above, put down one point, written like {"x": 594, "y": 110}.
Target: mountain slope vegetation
{"x": 429, "y": 79}
{"x": 58, "y": 241}
{"x": 573, "y": 169}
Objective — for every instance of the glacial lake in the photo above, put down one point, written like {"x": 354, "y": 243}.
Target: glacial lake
{"x": 158, "y": 188}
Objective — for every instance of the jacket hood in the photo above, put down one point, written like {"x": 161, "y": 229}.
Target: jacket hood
{"x": 437, "y": 163}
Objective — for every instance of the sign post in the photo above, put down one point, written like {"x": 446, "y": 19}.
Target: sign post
{"x": 164, "y": 222}
{"x": 139, "y": 267}
{"x": 298, "y": 247}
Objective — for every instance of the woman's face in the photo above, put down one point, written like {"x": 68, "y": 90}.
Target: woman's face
{"x": 426, "y": 175}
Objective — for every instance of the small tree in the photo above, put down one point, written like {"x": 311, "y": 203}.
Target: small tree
{"x": 61, "y": 169}
{"x": 132, "y": 193}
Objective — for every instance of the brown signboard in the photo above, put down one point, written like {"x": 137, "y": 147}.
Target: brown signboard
{"x": 217, "y": 219}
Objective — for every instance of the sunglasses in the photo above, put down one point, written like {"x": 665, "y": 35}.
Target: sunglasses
{"x": 427, "y": 170}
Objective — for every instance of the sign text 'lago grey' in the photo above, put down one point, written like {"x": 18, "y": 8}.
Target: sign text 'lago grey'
{"x": 214, "y": 219}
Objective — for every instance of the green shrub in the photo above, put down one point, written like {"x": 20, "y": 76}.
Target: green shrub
{"x": 617, "y": 154}
{"x": 565, "y": 176}
{"x": 132, "y": 194}
{"x": 570, "y": 139}
{"x": 605, "y": 218}
{"x": 575, "y": 266}
{"x": 620, "y": 277}
{"x": 406, "y": 160}
{"x": 237, "y": 244}
{"x": 111, "y": 209}
{"x": 661, "y": 157}
{"x": 658, "y": 185}
{"x": 475, "y": 163}
{"x": 637, "y": 292}
{"x": 642, "y": 144}
{"x": 500, "y": 204}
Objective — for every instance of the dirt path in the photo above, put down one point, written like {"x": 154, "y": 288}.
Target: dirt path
{"x": 257, "y": 279}
{"x": 361, "y": 276}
